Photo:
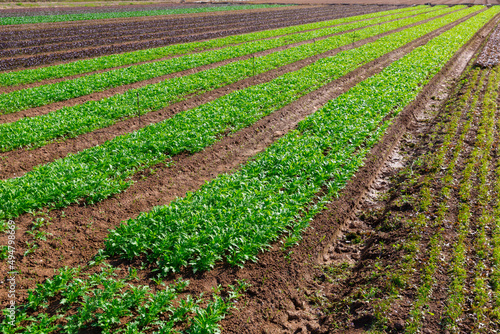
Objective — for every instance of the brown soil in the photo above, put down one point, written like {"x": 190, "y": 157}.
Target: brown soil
{"x": 78, "y": 231}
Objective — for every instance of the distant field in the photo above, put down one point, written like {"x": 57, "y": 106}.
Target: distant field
{"x": 182, "y": 168}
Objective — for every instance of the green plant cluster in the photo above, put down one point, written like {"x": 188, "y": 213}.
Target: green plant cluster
{"x": 71, "y": 301}
{"x": 105, "y": 62}
{"x": 139, "y": 13}
{"x": 236, "y": 216}
{"x": 65, "y": 90}
{"x": 72, "y": 121}
{"x": 98, "y": 172}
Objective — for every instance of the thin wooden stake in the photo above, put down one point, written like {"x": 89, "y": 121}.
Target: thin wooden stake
{"x": 138, "y": 108}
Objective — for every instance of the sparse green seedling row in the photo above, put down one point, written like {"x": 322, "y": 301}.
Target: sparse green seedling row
{"x": 485, "y": 140}
{"x": 101, "y": 301}
{"x": 403, "y": 271}
{"x": 37, "y": 131}
{"x": 494, "y": 311}
{"x": 458, "y": 272}
{"x": 116, "y": 60}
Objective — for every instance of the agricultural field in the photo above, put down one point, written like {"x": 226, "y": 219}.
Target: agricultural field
{"x": 250, "y": 169}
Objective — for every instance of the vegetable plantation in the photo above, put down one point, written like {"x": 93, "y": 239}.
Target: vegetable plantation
{"x": 209, "y": 172}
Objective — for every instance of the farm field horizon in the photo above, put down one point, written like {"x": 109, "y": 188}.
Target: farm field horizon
{"x": 250, "y": 168}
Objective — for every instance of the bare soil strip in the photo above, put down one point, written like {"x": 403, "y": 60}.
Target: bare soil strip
{"x": 16, "y": 163}
{"x": 78, "y": 231}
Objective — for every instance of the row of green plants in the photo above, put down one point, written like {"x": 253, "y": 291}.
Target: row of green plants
{"x": 73, "y": 300}
{"x": 72, "y": 121}
{"x": 236, "y": 216}
{"x": 458, "y": 265}
{"x": 61, "y": 91}
{"x": 494, "y": 311}
{"x": 428, "y": 280}
{"x": 427, "y": 273}
{"x": 98, "y": 16}
{"x": 98, "y": 172}
{"x": 110, "y": 61}
{"x": 486, "y": 138}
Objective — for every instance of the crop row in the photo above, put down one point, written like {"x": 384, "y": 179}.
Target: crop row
{"x": 280, "y": 185}
{"x": 106, "y": 62}
{"x": 495, "y": 237}
{"x": 164, "y": 34}
{"x": 434, "y": 256}
{"x": 473, "y": 216}
{"x": 96, "y": 16}
{"x": 46, "y": 94}
{"x": 72, "y": 121}
{"x": 101, "y": 171}
{"x": 416, "y": 189}
{"x": 21, "y": 39}
{"x": 103, "y": 302}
